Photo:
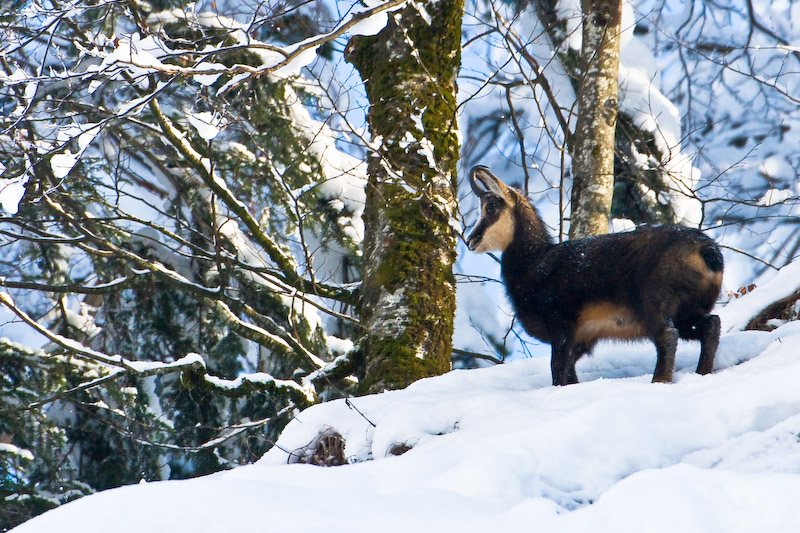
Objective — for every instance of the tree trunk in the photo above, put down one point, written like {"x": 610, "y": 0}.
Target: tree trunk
{"x": 593, "y": 157}
{"x": 408, "y": 293}
{"x": 637, "y": 188}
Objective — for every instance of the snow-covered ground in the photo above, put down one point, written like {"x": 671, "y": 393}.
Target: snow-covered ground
{"x": 499, "y": 449}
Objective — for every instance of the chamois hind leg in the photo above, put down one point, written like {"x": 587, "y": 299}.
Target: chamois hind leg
{"x": 666, "y": 342}
{"x": 562, "y": 362}
{"x": 706, "y": 329}
{"x": 708, "y": 344}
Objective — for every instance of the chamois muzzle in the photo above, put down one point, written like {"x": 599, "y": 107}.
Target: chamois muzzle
{"x": 495, "y": 227}
{"x": 473, "y": 240}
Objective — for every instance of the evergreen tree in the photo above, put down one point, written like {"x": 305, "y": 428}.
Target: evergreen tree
{"x": 186, "y": 230}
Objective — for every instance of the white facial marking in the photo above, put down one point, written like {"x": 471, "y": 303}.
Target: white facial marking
{"x": 499, "y": 235}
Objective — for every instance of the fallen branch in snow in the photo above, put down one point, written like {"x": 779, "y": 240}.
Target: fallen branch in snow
{"x": 326, "y": 449}
{"x": 777, "y": 313}
{"x": 772, "y": 299}
{"x": 476, "y": 355}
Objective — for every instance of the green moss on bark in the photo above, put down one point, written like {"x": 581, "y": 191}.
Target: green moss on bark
{"x": 408, "y": 293}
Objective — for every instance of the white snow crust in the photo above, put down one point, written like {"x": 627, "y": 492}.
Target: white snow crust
{"x": 500, "y": 449}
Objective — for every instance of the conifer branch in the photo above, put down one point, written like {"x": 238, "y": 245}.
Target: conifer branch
{"x": 288, "y": 268}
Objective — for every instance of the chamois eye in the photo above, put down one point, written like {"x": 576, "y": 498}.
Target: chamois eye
{"x": 491, "y": 209}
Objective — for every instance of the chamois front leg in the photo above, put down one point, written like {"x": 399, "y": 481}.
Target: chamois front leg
{"x": 562, "y": 361}
{"x": 708, "y": 330}
{"x": 666, "y": 342}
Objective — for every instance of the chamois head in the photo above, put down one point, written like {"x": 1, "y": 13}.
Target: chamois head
{"x": 495, "y": 228}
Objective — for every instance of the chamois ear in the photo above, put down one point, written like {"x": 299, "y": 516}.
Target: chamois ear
{"x": 482, "y": 181}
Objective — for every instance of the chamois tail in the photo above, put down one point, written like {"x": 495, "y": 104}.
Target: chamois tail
{"x": 712, "y": 256}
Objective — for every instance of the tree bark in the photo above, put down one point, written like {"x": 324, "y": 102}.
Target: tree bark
{"x": 637, "y": 189}
{"x": 593, "y": 157}
{"x": 408, "y": 292}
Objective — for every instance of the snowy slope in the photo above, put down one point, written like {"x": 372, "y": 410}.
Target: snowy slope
{"x": 499, "y": 449}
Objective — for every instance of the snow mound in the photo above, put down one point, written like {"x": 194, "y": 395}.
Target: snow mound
{"x": 500, "y": 449}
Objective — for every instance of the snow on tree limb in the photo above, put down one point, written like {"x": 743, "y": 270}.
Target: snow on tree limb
{"x": 146, "y": 55}
{"x": 118, "y": 365}
{"x": 286, "y": 264}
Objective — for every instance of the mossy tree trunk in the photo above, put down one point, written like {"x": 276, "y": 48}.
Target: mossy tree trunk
{"x": 593, "y": 141}
{"x": 408, "y": 292}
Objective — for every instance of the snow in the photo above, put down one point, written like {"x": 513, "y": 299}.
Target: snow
{"x": 208, "y": 79}
{"x": 15, "y": 450}
{"x": 208, "y": 125}
{"x": 62, "y": 164}
{"x": 500, "y": 449}
{"x": 570, "y": 10}
{"x": 148, "y": 366}
{"x": 11, "y": 192}
{"x": 775, "y": 168}
{"x": 774, "y": 196}
{"x": 641, "y": 99}
{"x": 257, "y": 378}
{"x": 781, "y": 284}
{"x": 344, "y": 176}
{"x": 133, "y": 52}
{"x": 621, "y": 224}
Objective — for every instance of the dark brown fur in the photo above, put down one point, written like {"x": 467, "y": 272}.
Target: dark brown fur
{"x": 657, "y": 283}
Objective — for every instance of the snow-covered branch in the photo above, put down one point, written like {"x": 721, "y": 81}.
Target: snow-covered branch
{"x": 149, "y": 55}
{"x": 192, "y": 363}
{"x": 287, "y": 266}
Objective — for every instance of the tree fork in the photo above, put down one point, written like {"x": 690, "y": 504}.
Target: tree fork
{"x": 408, "y": 293}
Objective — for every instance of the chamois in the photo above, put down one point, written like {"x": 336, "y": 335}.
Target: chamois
{"x": 656, "y": 283}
